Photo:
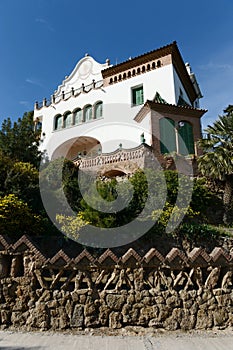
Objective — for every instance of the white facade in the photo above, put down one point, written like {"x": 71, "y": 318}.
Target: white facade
{"x": 110, "y": 92}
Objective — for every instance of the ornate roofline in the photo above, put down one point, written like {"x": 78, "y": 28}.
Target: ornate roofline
{"x": 176, "y": 58}
{"x": 144, "y": 58}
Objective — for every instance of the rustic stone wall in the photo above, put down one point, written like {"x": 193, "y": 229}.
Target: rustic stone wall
{"x": 178, "y": 291}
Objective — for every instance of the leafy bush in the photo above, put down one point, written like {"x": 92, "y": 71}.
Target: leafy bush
{"x": 16, "y": 218}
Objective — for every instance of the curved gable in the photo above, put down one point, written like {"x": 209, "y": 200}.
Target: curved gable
{"x": 85, "y": 71}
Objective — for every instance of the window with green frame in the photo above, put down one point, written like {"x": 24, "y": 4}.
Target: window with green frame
{"x": 137, "y": 95}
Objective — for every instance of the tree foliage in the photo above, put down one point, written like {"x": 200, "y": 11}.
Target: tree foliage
{"x": 19, "y": 141}
{"x": 16, "y": 218}
{"x": 217, "y": 159}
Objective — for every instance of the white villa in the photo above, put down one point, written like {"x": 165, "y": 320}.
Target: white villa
{"x": 108, "y": 117}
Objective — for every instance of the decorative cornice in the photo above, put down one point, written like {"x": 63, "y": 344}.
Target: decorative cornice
{"x": 176, "y": 60}
{"x": 136, "y": 61}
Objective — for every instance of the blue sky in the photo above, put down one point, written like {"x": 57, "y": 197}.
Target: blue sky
{"x": 42, "y": 40}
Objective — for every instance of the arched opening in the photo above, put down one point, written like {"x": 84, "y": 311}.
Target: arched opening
{"x": 98, "y": 110}
{"x": 185, "y": 138}
{"x": 83, "y": 146}
{"x": 58, "y": 122}
{"x": 78, "y": 116}
{"x": 114, "y": 173}
{"x": 88, "y": 113}
{"x": 167, "y": 135}
{"x": 67, "y": 119}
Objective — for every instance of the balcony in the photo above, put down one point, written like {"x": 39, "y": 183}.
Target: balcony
{"x": 120, "y": 162}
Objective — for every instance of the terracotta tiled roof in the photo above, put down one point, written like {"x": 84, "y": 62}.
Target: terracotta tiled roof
{"x": 146, "y": 57}
{"x": 177, "y": 61}
{"x": 168, "y": 108}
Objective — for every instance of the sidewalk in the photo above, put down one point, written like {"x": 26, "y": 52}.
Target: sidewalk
{"x": 222, "y": 340}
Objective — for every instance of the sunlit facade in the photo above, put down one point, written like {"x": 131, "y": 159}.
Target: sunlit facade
{"x": 102, "y": 110}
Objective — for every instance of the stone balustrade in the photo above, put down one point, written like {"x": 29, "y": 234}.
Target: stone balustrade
{"x": 137, "y": 155}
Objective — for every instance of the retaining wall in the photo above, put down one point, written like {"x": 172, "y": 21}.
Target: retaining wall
{"x": 178, "y": 290}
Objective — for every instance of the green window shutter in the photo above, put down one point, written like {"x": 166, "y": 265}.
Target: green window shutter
{"x": 186, "y": 140}
{"x": 167, "y": 135}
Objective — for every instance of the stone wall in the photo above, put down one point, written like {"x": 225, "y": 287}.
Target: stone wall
{"x": 179, "y": 290}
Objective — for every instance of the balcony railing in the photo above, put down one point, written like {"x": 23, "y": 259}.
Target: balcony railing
{"x": 120, "y": 155}
{"x": 66, "y": 95}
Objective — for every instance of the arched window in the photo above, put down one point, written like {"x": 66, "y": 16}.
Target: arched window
{"x": 88, "y": 113}
{"x": 78, "y": 116}
{"x": 58, "y": 122}
{"x": 186, "y": 141}
{"x": 67, "y": 119}
{"x": 167, "y": 135}
{"x": 98, "y": 110}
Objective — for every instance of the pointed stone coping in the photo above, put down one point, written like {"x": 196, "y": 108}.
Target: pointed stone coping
{"x": 153, "y": 257}
{"x": 4, "y": 245}
{"x": 84, "y": 258}
{"x": 199, "y": 257}
{"x": 108, "y": 258}
{"x": 60, "y": 259}
{"x": 219, "y": 257}
{"x": 176, "y": 258}
{"x": 26, "y": 243}
{"x": 130, "y": 257}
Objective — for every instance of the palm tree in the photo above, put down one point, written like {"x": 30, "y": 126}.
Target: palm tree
{"x": 217, "y": 159}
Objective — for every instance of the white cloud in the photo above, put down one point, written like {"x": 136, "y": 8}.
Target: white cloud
{"x": 33, "y": 82}
{"x": 216, "y": 66}
{"x": 26, "y": 104}
{"x": 45, "y": 23}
